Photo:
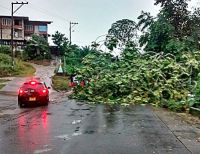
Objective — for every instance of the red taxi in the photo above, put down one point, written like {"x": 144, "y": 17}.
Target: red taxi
{"x": 33, "y": 92}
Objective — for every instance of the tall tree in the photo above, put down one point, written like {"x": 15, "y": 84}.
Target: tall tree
{"x": 60, "y": 41}
{"x": 193, "y": 39}
{"x": 161, "y": 32}
{"x": 120, "y": 33}
{"x": 145, "y": 20}
{"x": 173, "y": 30}
{"x": 177, "y": 13}
{"x": 37, "y": 47}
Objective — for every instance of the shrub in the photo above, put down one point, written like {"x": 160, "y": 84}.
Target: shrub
{"x": 5, "y": 64}
{"x": 37, "y": 48}
{"x": 5, "y": 49}
{"x": 195, "y": 99}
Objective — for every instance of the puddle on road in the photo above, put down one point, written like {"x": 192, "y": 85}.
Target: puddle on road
{"x": 77, "y": 134}
{"x": 65, "y": 137}
{"x": 76, "y": 122}
{"x": 41, "y": 151}
{"x": 89, "y": 132}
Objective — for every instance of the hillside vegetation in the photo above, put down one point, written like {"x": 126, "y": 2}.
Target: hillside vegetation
{"x": 20, "y": 69}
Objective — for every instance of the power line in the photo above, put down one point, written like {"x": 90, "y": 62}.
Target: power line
{"x": 5, "y": 7}
{"x": 47, "y": 12}
{"x": 42, "y": 10}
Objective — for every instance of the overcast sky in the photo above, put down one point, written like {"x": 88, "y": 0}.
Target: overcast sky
{"x": 94, "y": 16}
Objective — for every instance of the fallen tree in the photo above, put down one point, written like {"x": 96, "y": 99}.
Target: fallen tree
{"x": 159, "y": 79}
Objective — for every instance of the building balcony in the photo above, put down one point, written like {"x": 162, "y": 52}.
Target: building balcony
{"x": 28, "y": 31}
{"x": 18, "y": 27}
{"x": 43, "y": 33}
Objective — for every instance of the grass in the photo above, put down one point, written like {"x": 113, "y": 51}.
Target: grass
{"x": 2, "y": 82}
{"x": 23, "y": 69}
{"x": 60, "y": 83}
{"x": 2, "y": 85}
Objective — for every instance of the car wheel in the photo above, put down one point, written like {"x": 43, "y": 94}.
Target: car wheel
{"x": 46, "y": 103}
{"x": 20, "y": 104}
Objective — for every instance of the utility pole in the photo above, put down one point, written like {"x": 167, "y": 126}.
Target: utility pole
{"x": 1, "y": 32}
{"x": 12, "y": 25}
{"x": 70, "y": 30}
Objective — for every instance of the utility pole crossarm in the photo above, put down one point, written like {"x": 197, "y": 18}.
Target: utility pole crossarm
{"x": 22, "y": 3}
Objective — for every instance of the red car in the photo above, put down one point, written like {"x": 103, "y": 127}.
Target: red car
{"x": 33, "y": 92}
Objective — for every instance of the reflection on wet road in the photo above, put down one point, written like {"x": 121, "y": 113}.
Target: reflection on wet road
{"x": 66, "y": 126}
{"x": 33, "y": 131}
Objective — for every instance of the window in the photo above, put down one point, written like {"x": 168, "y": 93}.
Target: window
{"x": 29, "y": 27}
{"x": 6, "y": 21}
{"x": 42, "y": 28}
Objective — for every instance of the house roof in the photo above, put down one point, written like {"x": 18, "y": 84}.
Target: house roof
{"x": 19, "y": 17}
{"x": 26, "y": 18}
{"x": 39, "y": 22}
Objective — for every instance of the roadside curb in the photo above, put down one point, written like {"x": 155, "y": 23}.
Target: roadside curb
{"x": 194, "y": 111}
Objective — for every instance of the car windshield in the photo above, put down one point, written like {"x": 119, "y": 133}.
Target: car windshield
{"x": 36, "y": 85}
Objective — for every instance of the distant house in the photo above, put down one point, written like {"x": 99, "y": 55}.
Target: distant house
{"x": 23, "y": 29}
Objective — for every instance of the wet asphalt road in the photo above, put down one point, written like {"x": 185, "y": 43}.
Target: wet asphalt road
{"x": 70, "y": 127}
